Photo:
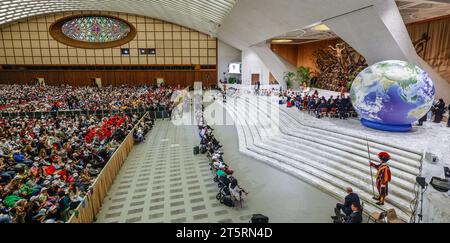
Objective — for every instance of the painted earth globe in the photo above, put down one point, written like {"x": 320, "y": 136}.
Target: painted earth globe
{"x": 391, "y": 95}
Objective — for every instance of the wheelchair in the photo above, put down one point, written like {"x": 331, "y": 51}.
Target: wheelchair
{"x": 224, "y": 191}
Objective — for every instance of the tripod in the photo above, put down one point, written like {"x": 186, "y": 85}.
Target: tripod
{"x": 421, "y": 203}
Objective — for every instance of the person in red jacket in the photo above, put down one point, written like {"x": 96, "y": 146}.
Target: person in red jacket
{"x": 121, "y": 121}
{"x": 383, "y": 177}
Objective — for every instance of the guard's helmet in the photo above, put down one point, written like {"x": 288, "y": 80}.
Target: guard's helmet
{"x": 384, "y": 156}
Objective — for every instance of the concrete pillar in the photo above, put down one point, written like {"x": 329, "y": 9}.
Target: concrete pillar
{"x": 252, "y": 64}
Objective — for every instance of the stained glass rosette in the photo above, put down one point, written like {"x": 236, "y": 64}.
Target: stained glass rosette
{"x": 95, "y": 29}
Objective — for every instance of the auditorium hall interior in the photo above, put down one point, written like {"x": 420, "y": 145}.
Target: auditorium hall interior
{"x": 224, "y": 112}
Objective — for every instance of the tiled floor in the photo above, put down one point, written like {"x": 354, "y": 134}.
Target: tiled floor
{"x": 162, "y": 181}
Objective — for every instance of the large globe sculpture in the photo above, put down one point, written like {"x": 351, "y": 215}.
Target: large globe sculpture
{"x": 391, "y": 95}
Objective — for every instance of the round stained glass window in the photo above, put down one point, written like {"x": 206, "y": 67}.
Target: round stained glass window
{"x": 96, "y": 29}
{"x": 92, "y": 31}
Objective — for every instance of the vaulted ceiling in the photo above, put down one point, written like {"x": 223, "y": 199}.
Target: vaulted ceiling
{"x": 417, "y": 10}
{"x": 202, "y": 15}
{"x": 411, "y": 11}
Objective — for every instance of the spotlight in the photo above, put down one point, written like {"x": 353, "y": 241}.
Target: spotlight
{"x": 125, "y": 51}
{"x": 282, "y": 41}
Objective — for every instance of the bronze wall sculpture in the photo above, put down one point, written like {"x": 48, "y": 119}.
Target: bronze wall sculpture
{"x": 337, "y": 66}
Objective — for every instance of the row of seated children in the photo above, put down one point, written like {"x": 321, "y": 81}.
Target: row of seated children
{"x": 230, "y": 193}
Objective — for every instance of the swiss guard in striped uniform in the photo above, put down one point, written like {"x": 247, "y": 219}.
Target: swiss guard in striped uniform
{"x": 383, "y": 177}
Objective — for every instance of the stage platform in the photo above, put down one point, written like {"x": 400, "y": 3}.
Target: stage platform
{"x": 410, "y": 147}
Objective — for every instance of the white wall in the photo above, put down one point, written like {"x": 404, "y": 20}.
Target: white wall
{"x": 226, "y": 55}
{"x": 276, "y": 64}
{"x": 261, "y": 59}
{"x": 251, "y": 63}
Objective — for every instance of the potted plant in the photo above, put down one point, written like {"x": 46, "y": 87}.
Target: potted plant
{"x": 304, "y": 75}
{"x": 289, "y": 78}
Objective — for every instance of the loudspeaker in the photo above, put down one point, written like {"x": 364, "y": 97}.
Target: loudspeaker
{"x": 447, "y": 172}
{"x": 259, "y": 219}
{"x": 125, "y": 51}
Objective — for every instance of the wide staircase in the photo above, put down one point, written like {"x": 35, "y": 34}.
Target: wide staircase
{"x": 328, "y": 158}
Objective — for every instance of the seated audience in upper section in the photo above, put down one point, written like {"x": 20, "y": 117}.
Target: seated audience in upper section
{"x": 48, "y": 165}
{"x": 23, "y": 98}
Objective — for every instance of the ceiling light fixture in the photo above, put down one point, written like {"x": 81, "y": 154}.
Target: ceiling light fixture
{"x": 282, "y": 41}
{"x": 321, "y": 27}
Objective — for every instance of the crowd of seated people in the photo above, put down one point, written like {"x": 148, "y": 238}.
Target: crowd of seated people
{"x": 48, "y": 165}
{"x": 266, "y": 92}
{"x": 320, "y": 106}
{"x": 34, "y": 98}
{"x": 230, "y": 193}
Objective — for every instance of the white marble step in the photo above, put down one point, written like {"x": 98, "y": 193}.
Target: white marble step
{"x": 328, "y": 188}
{"x": 247, "y": 141}
{"x": 326, "y": 141}
{"x": 325, "y": 186}
{"x": 326, "y": 182}
{"x": 318, "y": 161}
{"x": 345, "y": 152}
{"x": 339, "y": 158}
{"x": 413, "y": 153}
{"x": 405, "y": 172}
{"x": 404, "y": 158}
{"x": 335, "y": 168}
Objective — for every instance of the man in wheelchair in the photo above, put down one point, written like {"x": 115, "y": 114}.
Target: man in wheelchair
{"x": 235, "y": 190}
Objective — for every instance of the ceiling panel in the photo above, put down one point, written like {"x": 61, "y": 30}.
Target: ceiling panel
{"x": 411, "y": 11}
{"x": 202, "y": 15}
{"x": 418, "y": 10}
